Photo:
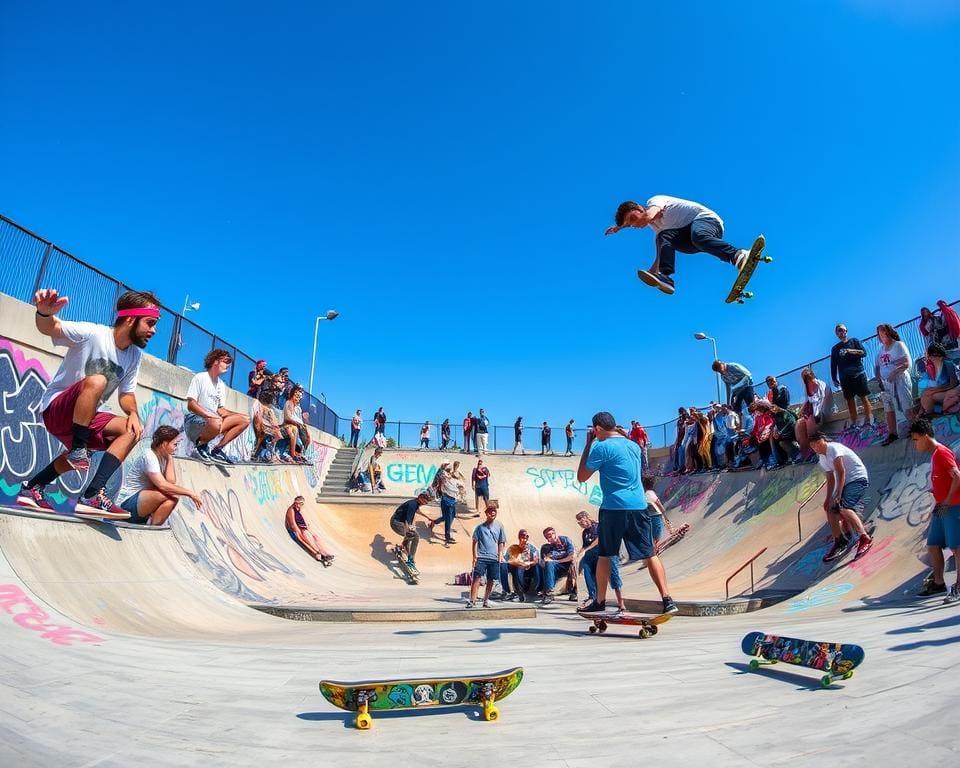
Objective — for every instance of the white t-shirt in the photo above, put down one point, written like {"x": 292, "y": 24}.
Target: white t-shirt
{"x": 678, "y": 213}
{"x": 888, "y": 359}
{"x": 652, "y": 507}
{"x": 207, "y": 394}
{"x": 853, "y": 468}
{"x": 135, "y": 474}
{"x": 92, "y": 350}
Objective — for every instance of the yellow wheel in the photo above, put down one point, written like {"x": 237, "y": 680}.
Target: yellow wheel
{"x": 490, "y": 713}
{"x": 754, "y": 663}
{"x": 847, "y": 675}
{"x": 364, "y": 721}
{"x": 645, "y": 633}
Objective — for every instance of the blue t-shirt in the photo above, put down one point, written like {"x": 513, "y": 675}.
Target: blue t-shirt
{"x": 489, "y": 538}
{"x": 618, "y": 461}
{"x": 563, "y": 548}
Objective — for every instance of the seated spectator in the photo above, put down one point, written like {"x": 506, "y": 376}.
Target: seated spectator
{"x": 762, "y": 429}
{"x": 284, "y": 386}
{"x": 425, "y": 435}
{"x": 783, "y": 438}
{"x": 300, "y": 532}
{"x": 704, "y": 441}
{"x": 556, "y": 557}
{"x": 522, "y": 563}
{"x": 293, "y": 423}
{"x": 375, "y": 472}
{"x": 545, "y": 446}
{"x": 777, "y": 393}
{"x": 892, "y": 370}
{"x": 266, "y": 427}
{"x": 943, "y": 383}
{"x": 257, "y": 377}
{"x": 587, "y": 558}
{"x": 149, "y": 491}
{"x": 207, "y": 418}
{"x": 811, "y": 411}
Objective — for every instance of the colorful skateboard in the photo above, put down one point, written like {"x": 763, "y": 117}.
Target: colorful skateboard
{"x": 673, "y": 537}
{"x": 737, "y": 294}
{"x": 836, "y": 659}
{"x": 372, "y": 695}
{"x": 648, "y": 624}
{"x": 412, "y": 574}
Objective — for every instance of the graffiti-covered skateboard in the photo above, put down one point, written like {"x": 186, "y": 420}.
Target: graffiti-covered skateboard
{"x": 648, "y": 624}
{"x": 364, "y": 697}
{"x": 835, "y": 659}
{"x": 737, "y": 294}
{"x": 412, "y": 574}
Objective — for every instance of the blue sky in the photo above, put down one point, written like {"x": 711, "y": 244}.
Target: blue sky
{"x": 441, "y": 174}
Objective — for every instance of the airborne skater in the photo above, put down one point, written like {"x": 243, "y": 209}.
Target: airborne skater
{"x": 680, "y": 225}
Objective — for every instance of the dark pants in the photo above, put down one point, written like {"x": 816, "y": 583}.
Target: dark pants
{"x": 741, "y": 398}
{"x": 524, "y": 579}
{"x": 703, "y": 235}
{"x": 354, "y": 437}
{"x": 448, "y": 508}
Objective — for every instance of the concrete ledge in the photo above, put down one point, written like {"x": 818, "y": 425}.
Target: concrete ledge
{"x": 393, "y": 615}
{"x": 735, "y": 605}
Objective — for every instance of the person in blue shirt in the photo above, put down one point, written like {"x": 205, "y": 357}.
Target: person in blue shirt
{"x": 556, "y": 558}
{"x": 489, "y": 541}
{"x": 623, "y": 516}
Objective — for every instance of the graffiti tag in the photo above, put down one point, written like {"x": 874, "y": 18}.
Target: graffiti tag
{"x": 27, "y": 614}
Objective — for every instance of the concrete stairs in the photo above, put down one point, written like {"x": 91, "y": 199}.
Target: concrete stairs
{"x": 334, "y": 489}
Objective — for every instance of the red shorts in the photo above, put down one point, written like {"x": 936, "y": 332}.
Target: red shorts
{"x": 58, "y": 419}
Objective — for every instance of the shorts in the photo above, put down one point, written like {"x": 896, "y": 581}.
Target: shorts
{"x": 656, "y": 526}
{"x": 487, "y": 567}
{"x": 897, "y": 395}
{"x": 852, "y": 496}
{"x": 58, "y": 419}
{"x": 854, "y": 386}
{"x": 192, "y": 426}
{"x": 630, "y": 525}
{"x": 398, "y": 527}
{"x": 130, "y": 505}
{"x": 944, "y": 530}
{"x": 483, "y": 490}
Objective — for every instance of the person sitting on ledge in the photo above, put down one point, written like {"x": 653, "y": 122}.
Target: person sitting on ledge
{"x": 207, "y": 417}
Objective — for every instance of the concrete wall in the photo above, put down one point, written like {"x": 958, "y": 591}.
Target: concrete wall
{"x": 28, "y": 359}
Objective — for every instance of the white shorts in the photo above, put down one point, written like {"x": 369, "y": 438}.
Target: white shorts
{"x": 897, "y": 395}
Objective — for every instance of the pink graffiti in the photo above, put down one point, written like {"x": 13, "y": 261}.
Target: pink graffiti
{"x": 34, "y": 618}
{"x": 24, "y": 363}
{"x": 688, "y": 493}
{"x": 878, "y": 556}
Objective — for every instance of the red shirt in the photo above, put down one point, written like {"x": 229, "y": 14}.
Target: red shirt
{"x": 943, "y": 461}
{"x": 639, "y": 435}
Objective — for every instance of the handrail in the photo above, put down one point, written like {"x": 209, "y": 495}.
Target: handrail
{"x": 750, "y": 563}
{"x": 800, "y": 509}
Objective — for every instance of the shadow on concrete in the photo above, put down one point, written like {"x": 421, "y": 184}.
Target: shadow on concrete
{"x": 470, "y": 711}
{"x": 491, "y": 634}
{"x": 803, "y": 682}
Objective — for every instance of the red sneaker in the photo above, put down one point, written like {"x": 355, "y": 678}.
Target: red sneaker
{"x": 34, "y": 498}
{"x": 863, "y": 546}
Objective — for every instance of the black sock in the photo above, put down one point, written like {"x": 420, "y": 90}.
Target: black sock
{"x": 108, "y": 465}
{"x": 44, "y": 477}
{"x": 81, "y": 436}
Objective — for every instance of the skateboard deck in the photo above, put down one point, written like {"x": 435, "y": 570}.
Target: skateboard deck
{"x": 737, "y": 294}
{"x": 412, "y": 574}
{"x": 366, "y": 696}
{"x": 837, "y": 660}
{"x": 648, "y": 624}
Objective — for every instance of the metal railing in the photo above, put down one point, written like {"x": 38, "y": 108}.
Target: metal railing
{"x": 750, "y": 563}
{"x": 28, "y": 263}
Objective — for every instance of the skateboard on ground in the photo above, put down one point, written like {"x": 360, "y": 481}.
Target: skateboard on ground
{"x": 737, "y": 294}
{"x": 366, "y": 696}
{"x": 412, "y": 574}
{"x": 837, "y": 660}
{"x": 648, "y": 624}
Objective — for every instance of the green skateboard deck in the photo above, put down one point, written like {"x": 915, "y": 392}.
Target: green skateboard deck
{"x": 837, "y": 660}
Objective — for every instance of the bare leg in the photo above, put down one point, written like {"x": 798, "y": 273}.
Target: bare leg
{"x": 891, "y": 417}
{"x": 937, "y": 563}
{"x": 603, "y": 578}
{"x": 658, "y": 575}
{"x": 156, "y": 506}
{"x": 488, "y": 590}
{"x": 210, "y": 430}
{"x": 854, "y": 521}
{"x": 852, "y": 409}
{"x": 867, "y": 410}
{"x": 474, "y": 586}
{"x": 801, "y": 432}
{"x": 87, "y": 401}
{"x": 833, "y": 520}
{"x": 232, "y": 427}
{"x": 316, "y": 543}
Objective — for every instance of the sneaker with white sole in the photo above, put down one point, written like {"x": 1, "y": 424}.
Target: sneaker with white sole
{"x": 220, "y": 457}
{"x": 669, "y": 606}
{"x": 470, "y": 604}
{"x": 657, "y": 280}
{"x": 79, "y": 459}
{"x": 954, "y": 595}
{"x": 34, "y": 498}
{"x": 740, "y": 260}
{"x": 100, "y": 506}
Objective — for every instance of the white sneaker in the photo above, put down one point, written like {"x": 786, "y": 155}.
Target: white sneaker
{"x": 954, "y": 595}
{"x": 740, "y": 260}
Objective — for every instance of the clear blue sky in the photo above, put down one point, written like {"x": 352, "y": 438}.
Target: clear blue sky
{"x": 442, "y": 173}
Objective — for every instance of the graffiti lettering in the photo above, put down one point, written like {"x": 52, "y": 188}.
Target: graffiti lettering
{"x": 416, "y": 474}
{"x": 878, "y": 556}
{"x": 565, "y": 479}
{"x": 810, "y": 563}
{"x": 907, "y": 495}
{"x": 826, "y": 595}
{"x": 687, "y": 494}
{"x": 34, "y": 618}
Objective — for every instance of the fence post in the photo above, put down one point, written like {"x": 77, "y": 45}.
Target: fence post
{"x": 174, "y": 341}
{"x": 43, "y": 267}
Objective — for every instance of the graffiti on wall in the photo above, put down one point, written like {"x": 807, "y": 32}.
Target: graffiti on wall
{"x": 829, "y": 594}
{"x": 907, "y": 495}
{"x": 28, "y": 615}
{"x": 565, "y": 480}
{"x": 413, "y": 474}
{"x": 687, "y": 493}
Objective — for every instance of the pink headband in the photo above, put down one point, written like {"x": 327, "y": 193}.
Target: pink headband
{"x": 143, "y": 312}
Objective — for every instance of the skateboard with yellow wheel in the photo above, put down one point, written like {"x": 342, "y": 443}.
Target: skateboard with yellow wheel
{"x": 737, "y": 292}
{"x": 367, "y": 696}
{"x": 648, "y": 624}
{"x": 837, "y": 660}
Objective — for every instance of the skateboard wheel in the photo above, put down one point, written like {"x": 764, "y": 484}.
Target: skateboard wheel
{"x": 847, "y": 675}
{"x": 767, "y": 259}
{"x": 826, "y": 681}
{"x": 653, "y": 629}
{"x": 363, "y": 722}
{"x": 602, "y": 626}
{"x": 739, "y": 301}
{"x": 754, "y": 663}
{"x": 748, "y": 295}
{"x": 491, "y": 713}
{"x": 645, "y": 633}
{"x": 593, "y": 630}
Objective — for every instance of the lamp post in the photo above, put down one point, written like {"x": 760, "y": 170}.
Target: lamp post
{"x": 330, "y": 315}
{"x": 187, "y": 306}
{"x": 703, "y": 337}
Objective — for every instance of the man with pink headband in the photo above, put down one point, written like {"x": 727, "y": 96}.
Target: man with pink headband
{"x": 98, "y": 361}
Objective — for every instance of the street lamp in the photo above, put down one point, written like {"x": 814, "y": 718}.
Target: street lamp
{"x": 331, "y": 315}
{"x": 703, "y": 337}
{"x": 187, "y": 306}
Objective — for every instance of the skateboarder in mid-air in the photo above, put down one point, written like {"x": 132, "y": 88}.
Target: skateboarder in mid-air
{"x": 681, "y": 225}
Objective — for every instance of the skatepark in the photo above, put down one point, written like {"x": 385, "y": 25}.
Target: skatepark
{"x": 205, "y": 641}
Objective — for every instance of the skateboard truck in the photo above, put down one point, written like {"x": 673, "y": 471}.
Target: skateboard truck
{"x": 364, "y": 721}
{"x": 490, "y": 711}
